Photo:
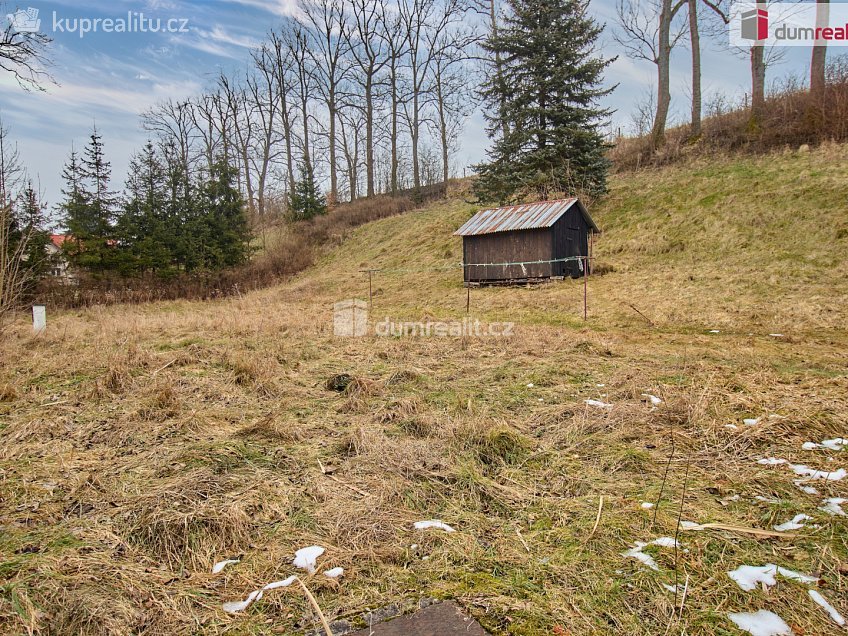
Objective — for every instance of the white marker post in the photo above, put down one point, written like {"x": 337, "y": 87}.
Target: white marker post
{"x": 39, "y": 318}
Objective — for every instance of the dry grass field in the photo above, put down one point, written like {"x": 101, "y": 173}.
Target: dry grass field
{"x": 139, "y": 445}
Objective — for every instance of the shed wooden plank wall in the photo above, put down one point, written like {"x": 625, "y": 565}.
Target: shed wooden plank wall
{"x": 508, "y": 247}
{"x": 571, "y": 238}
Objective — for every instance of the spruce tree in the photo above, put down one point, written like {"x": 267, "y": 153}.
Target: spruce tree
{"x": 143, "y": 225}
{"x": 90, "y": 208}
{"x": 32, "y": 221}
{"x": 542, "y": 106}
{"x": 187, "y": 232}
{"x": 74, "y": 208}
{"x": 306, "y": 201}
{"x": 226, "y": 233}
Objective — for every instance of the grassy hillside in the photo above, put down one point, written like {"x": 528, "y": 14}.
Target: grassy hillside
{"x": 140, "y": 445}
{"x": 740, "y": 243}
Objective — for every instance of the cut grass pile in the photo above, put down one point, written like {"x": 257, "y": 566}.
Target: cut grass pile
{"x": 141, "y": 445}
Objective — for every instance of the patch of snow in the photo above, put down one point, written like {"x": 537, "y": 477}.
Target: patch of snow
{"x": 600, "y": 386}
{"x": 772, "y": 461}
{"x": 652, "y": 398}
{"x": 776, "y": 335}
{"x": 812, "y": 473}
{"x": 751, "y": 421}
{"x": 748, "y": 577}
{"x": 665, "y": 542}
{"x": 599, "y": 404}
{"x": 647, "y": 505}
{"x": 636, "y": 553}
{"x": 767, "y": 500}
{"x": 818, "y": 598}
{"x": 220, "y": 565}
{"x": 794, "y": 524}
{"x": 761, "y": 623}
{"x": 807, "y": 489}
{"x": 305, "y": 558}
{"x": 833, "y": 506}
{"x": 714, "y": 331}
{"x": 835, "y": 444}
{"x": 234, "y": 607}
{"x": 732, "y": 427}
{"x": 670, "y": 588}
{"x": 797, "y": 576}
{"x": 334, "y": 573}
{"x": 433, "y": 523}
{"x": 530, "y": 385}
{"x": 284, "y": 583}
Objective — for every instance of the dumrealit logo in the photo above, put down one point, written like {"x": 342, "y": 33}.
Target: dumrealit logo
{"x": 755, "y": 24}
{"x": 788, "y": 24}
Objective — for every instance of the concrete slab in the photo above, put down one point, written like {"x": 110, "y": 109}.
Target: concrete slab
{"x": 441, "y": 619}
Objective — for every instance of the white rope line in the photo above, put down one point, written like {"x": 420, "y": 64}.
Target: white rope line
{"x": 464, "y": 265}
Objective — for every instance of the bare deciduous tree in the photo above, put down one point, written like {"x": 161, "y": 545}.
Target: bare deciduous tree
{"x": 818, "y": 60}
{"x": 695, "y": 45}
{"x": 173, "y": 120}
{"x": 276, "y": 57}
{"x": 263, "y": 97}
{"x": 425, "y": 25}
{"x": 329, "y": 26}
{"x": 451, "y": 86}
{"x": 368, "y": 51}
{"x": 17, "y": 266}
{"x": 761, "y": 57}
{"x": 395, "y": 46}
{"x": 648, "y": 31}
{"x": 24, "y": 55}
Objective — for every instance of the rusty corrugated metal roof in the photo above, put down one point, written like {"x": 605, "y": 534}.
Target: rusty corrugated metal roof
{"x": 521, "y": 217}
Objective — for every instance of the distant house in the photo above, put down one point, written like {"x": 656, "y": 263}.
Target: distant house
{"x": 58, "y": 263}
{"x": 520, "y": 243}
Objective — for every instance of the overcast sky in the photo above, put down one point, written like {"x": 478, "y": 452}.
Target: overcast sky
{"x": 109, "y": 78}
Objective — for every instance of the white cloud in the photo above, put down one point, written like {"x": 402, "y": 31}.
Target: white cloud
{"x": 277, "y": 7}
{"x": 219, "y": 34}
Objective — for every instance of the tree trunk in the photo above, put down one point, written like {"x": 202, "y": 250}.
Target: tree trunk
{"x": 304, "y": 107}
{"x": 758, "y": 81}
{"x": 443, "y": 129}
{"x": 695, "y": 41}
{"x": 287, "y": 133}
{"x": 334, "y": 182}
{"x": 663, "y": 63}
{"x": 394, "y": 140}
{"x": 416, "y": 164}
{"x": 493, "y": 14}
{"x": 369, "y": 134}
{"x": 819, "y": 57}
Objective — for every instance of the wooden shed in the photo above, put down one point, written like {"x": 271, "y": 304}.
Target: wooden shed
{"x": 518, "y": 243}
